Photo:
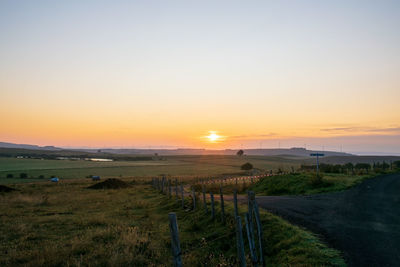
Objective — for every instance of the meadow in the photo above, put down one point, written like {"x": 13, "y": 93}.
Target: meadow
{"x": 66, "y": 224}
{"x": 177, "y": 166}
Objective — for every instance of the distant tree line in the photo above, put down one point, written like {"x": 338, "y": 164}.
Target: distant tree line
{"x": 359, "y": 168}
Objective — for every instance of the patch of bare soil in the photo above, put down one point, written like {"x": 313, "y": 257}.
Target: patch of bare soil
{"x": 4, "y": 188}
{"x": 111, "y": 183}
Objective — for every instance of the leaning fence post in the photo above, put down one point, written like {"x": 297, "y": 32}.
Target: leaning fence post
{"x": 175, "y": 244}
{"x": 250, "y": 238}
{"x": 182, "y": 197}
{"x": 212, "y": 206}
{"x": 222, "y": 204}
{"x": 259, "y": 230}
{"x": 204, "y": 199}
{"x": 239, "y": 242}
{"x": 235, "y": 205}
{"x": 250, "y": 205}
{"x": 194, "y": 199}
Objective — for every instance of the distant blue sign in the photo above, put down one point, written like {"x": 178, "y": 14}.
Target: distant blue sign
{"x": 317, "y": 155}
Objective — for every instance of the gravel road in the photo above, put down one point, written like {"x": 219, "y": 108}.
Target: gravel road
{"x": 362, "y": 222}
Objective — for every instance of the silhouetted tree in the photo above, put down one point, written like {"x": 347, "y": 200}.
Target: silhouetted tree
{"x": 247, "y": 166}
{"x": 240, "y": 153}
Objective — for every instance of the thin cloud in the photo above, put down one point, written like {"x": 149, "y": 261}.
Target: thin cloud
{"x": 362, "y": 129}
{"x": 252, "y": 136}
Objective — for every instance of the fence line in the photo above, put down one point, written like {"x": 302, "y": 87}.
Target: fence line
{"x": 252, "y": 222}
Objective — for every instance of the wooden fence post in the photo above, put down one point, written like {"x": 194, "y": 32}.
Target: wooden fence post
{"x": 250, "y": 205}
{"x": 204, "y": 199}
{"x": 259, "y": 231}
{"x": 169, "y": 189}
{"x": 222, "y": 204}
{"x": 250, "y": 238}
{"x": 212, "y": 206}
{"x": 194, "y": 199}
{"x": 176, "y": 187}
{"x": 235, "y": 205}
{"x": 175, "y": 244}
{"x": 239, "y": 242}
{"x": 182, "y": 197}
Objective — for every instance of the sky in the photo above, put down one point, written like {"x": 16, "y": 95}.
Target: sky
{"x": 259, "y": 74}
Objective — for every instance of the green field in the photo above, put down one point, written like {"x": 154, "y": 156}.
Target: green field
{"x": 44, "y": 224}
{"x": 301, "y": 184}
{"x": 178, "y": 166}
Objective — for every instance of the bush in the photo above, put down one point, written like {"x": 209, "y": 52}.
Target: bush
{"x": 23, "y": 175}
{"x": 316, "y": 180}
{"x": 247, "y": 166}
{"x": 396, "y": 164}
{"x": 41, "y": 176}
{"x": 10, "y": 175}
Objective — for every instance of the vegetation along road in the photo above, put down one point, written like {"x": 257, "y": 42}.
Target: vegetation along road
{"x": 363, "y": 222}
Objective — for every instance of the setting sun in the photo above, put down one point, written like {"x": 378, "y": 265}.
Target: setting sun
{"x": 213, "y": 137}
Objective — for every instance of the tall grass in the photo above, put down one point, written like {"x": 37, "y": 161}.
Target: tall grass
{"x": 68, "y": 225}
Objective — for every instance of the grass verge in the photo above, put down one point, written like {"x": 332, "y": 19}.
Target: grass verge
{"x": 302, "y": 184}
{"x": 67, "y": 225}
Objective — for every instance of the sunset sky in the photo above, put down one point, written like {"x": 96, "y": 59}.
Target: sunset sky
{"x": 320, "y": 74}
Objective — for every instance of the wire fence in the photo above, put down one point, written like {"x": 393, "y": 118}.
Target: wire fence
{"x": 251, "y": 226}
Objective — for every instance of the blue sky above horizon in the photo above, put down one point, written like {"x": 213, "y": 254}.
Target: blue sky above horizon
{"x": 166, "y": 73}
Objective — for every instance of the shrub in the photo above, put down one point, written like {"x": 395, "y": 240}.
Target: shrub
{"x": 316, "y": 180}
{"x": 396, "y": 164}
{"x": 10, "y": 175}
{"x": 41, "y": 176}
{"x": 23, "y": 175}
{"x": 247, "y": 166}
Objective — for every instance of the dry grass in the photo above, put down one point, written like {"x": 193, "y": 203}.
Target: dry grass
{"x": 68, "y": 225}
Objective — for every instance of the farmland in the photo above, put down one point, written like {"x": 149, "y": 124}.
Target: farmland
{"x": 182, "y": 166}
{"x": 68, "y": 225}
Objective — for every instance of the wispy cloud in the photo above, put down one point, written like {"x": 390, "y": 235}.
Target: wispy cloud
{"x": 362, "y": 129}
{"x": 248, "y": 136}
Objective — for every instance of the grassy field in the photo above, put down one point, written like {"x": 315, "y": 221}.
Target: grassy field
{"x": 290, "y": 184}
{"x": 301, "y": 184}
{"x": 66, "y": 224}
{"x": 181, "y": 166}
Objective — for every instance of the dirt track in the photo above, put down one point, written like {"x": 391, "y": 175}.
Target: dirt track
{"x": 363, "y": 222}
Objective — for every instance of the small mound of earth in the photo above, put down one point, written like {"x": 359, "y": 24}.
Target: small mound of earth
{"x": 111, "y": 183}
{"x": 4, "y": 188}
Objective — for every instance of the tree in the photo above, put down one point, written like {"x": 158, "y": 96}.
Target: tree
{"x": 10, "y": 175}
{"x": 240, "y": 153}
{"x": 247, "y": 166}
{"x": 23, "y": 175}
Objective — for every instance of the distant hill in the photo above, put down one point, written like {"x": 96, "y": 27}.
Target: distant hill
{"x": 25, "y": 146}
{"x": 295, "y": 151}
{"x": 298, "y": 152}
